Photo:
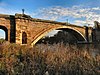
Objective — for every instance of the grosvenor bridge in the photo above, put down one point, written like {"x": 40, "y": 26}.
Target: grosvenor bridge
{"x": 22, "y": 29}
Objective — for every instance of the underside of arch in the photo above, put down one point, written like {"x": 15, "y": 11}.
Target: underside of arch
{"x": 76, "y": 33}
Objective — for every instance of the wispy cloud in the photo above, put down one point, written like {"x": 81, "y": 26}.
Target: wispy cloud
{"x": 8, "y": 11}
{"x": 4, "y": 9}
{"x": 2, "y": 3}
{"x": 80, "y": 15}
{"x": 76, "y": 12}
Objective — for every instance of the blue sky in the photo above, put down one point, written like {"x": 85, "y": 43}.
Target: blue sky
{"x": 79, "y": 12}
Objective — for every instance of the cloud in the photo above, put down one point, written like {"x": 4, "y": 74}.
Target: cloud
{"x": 8, "y": 11}
{"x": 2, "y": 3}
{"x": 78, "y": 14}
{"x": 78, "y": 22}
{"x": 12, "y": 11}
{"x": 75, "y": 12}
{"x": 3, "y": 9}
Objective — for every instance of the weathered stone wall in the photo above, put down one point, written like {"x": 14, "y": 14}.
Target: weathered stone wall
{"x": 5, "y": 22}
{"x": 34, "y": 28}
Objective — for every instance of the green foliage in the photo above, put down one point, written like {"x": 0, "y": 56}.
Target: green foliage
{"x": 1, "y": 41}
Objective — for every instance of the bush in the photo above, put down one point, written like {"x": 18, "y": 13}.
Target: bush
{"x": 2, "y": 41}
{"x": 56, "y": 59}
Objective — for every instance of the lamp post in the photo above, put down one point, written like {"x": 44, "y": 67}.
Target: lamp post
{"x": 67, "y": 21}
{"x": 23, "y": 11}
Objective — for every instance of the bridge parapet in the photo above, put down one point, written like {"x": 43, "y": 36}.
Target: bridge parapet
{"x": 4, "y": 16}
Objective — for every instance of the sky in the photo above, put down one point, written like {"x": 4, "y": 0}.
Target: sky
{"x": 78, "y": 12}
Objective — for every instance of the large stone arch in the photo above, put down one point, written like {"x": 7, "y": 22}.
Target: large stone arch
{"x": 43, "y": 33}
{"x": 6, "y": 31}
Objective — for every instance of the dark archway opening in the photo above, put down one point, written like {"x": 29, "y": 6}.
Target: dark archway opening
{"x": 4, "y": 32}
{"x": 24, "y": 38}
{"x": 64, "y": 36}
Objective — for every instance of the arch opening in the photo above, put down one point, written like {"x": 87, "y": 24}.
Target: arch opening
{"x": 3, "y": 33}
{"x": 24, "y": 38}
{"x": 64, "y": 35}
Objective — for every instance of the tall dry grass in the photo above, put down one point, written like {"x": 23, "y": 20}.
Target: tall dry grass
{"x": 57, "y": 59}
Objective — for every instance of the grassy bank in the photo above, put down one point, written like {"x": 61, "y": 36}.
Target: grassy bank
{"x": 56, "y": 59}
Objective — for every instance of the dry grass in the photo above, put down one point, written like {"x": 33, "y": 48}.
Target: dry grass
{"x": 56, "y": 59}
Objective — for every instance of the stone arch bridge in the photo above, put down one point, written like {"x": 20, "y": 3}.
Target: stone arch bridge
{"x": 22, "y": 29}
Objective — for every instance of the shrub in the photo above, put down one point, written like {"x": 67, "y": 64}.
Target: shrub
{"x": 2, "y": 41}
{"x": 57, "y": 59}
